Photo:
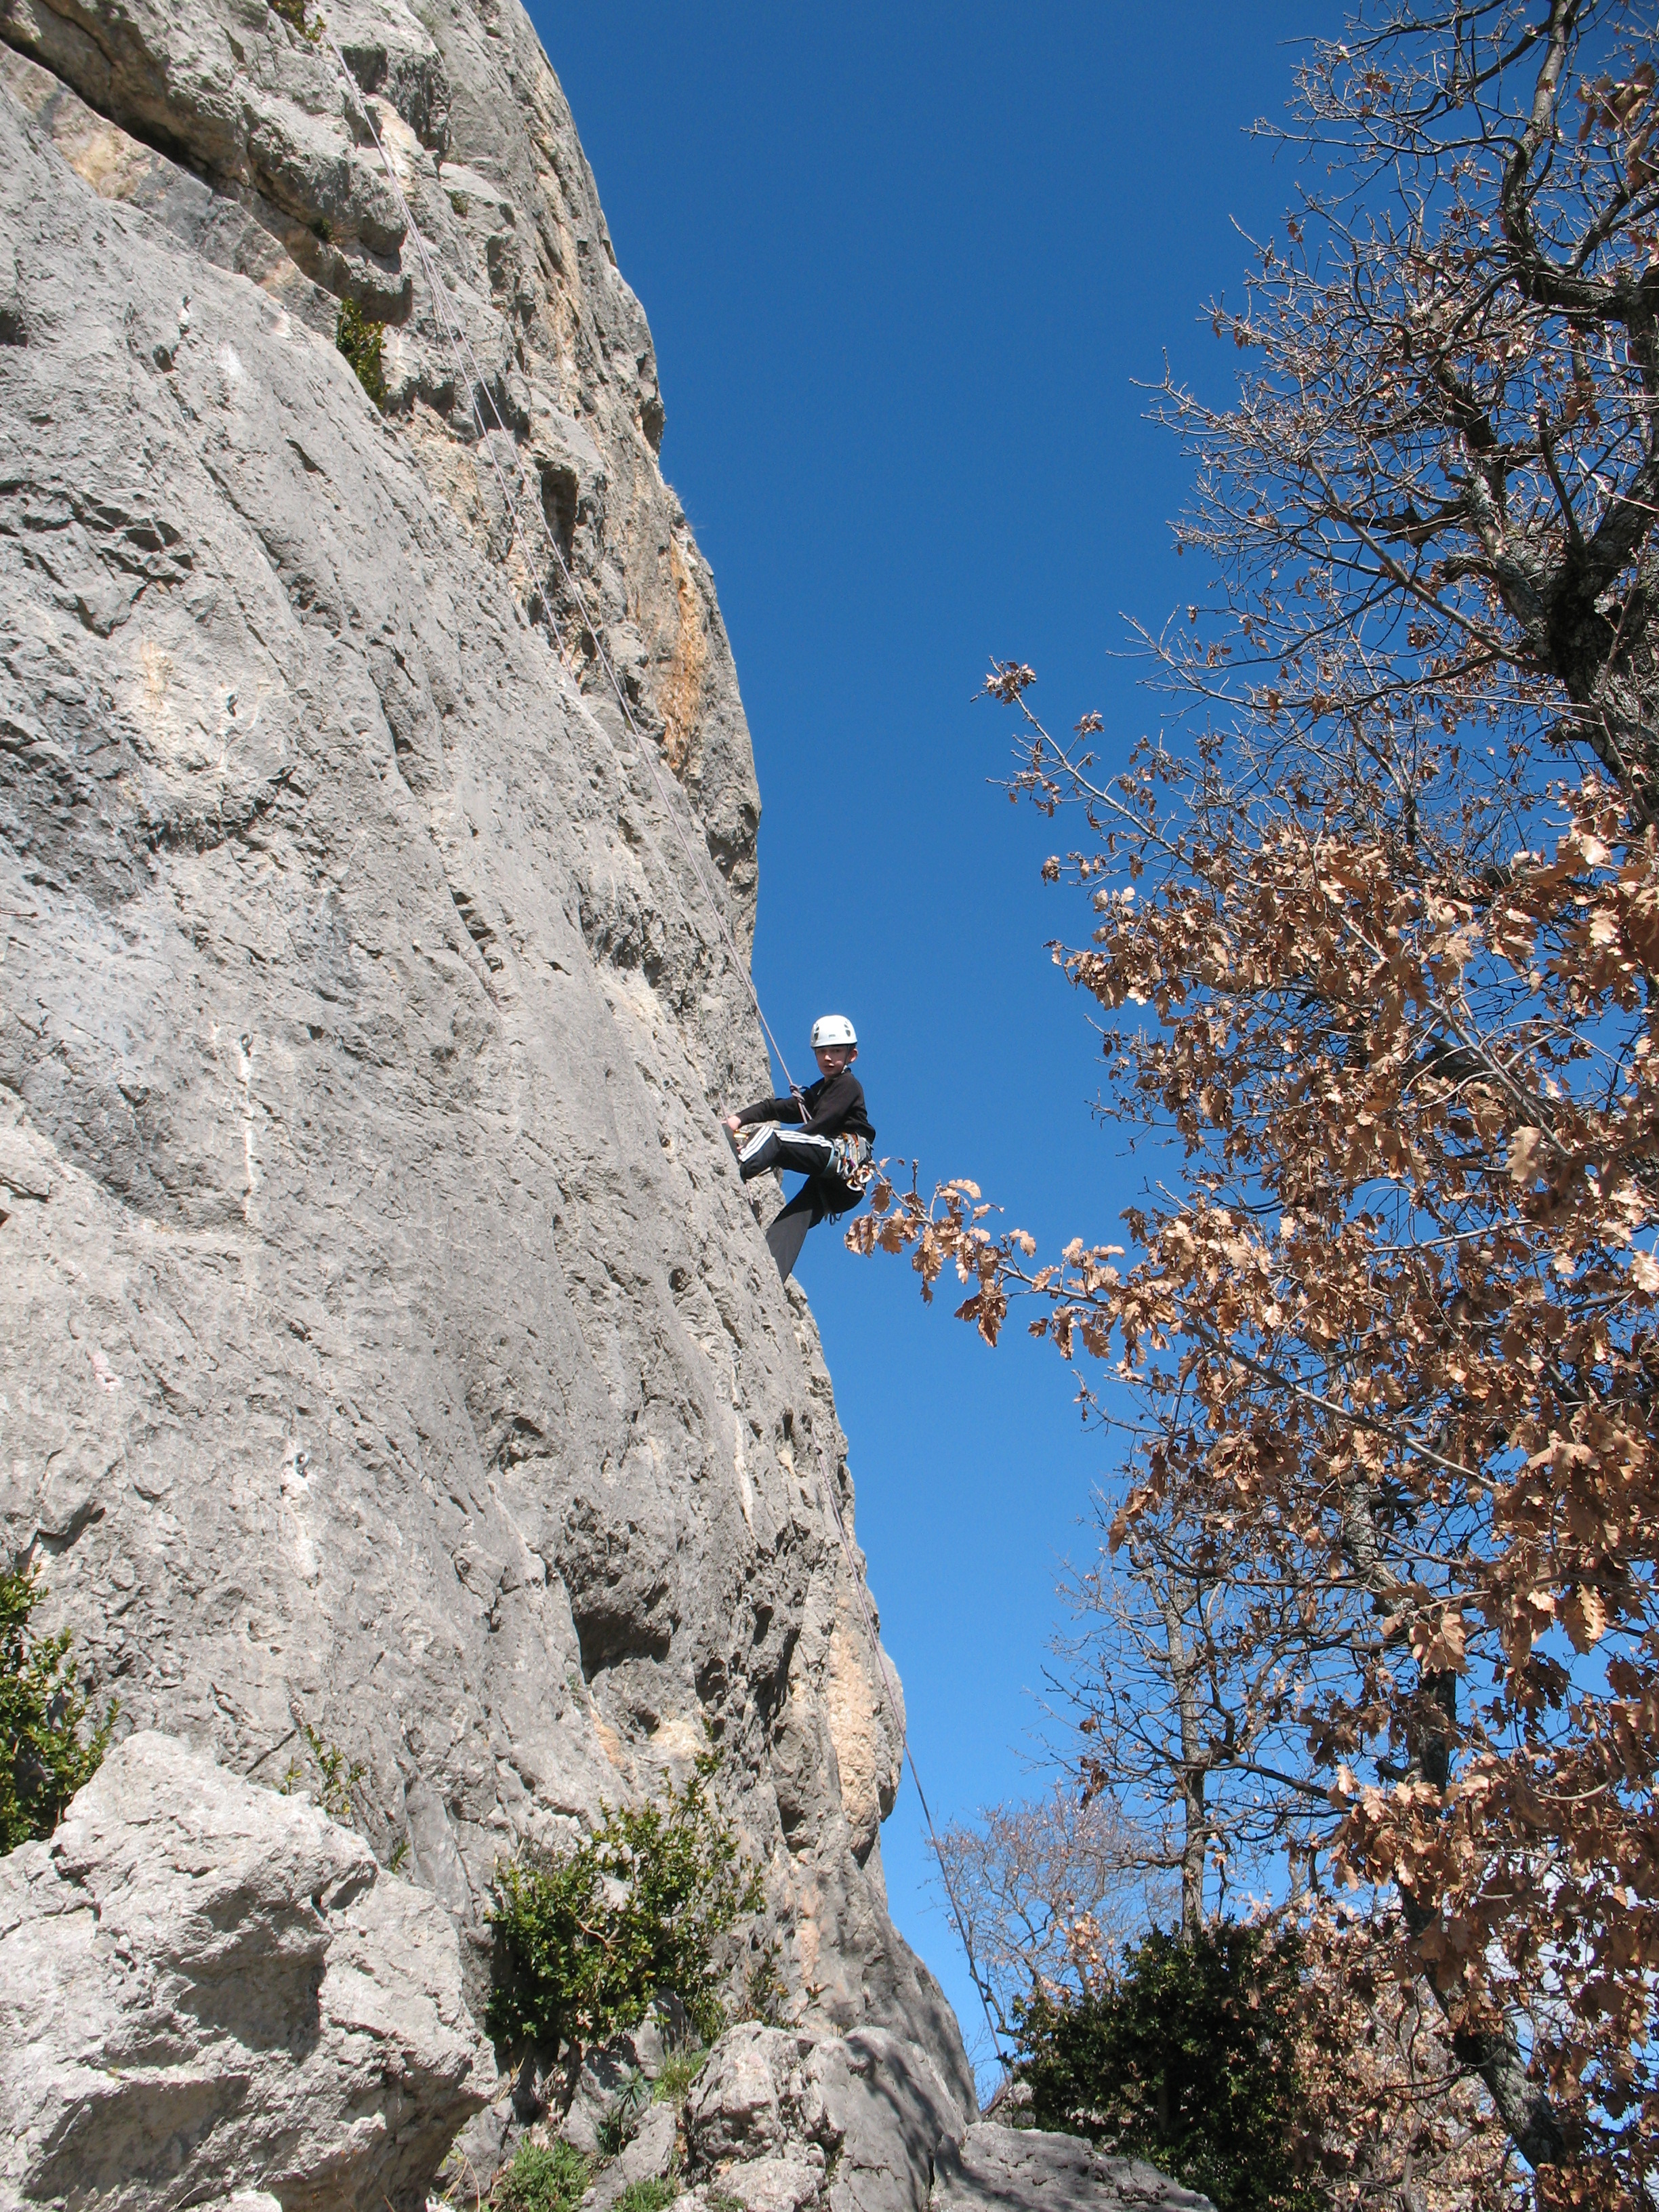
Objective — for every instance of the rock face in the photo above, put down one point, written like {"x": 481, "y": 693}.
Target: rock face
{"x": 205, "y": 1987}
{"x": 774, "y": 2109}
{"x": 780, "y": 2121}
{"x": 1024, "y": 2170}
{"x": 392, "y": 1372}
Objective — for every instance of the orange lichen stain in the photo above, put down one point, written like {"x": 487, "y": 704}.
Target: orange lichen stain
{"x": 682, "y": 692}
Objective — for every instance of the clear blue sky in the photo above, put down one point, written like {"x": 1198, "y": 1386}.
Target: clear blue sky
{"x": 904, "y": 267}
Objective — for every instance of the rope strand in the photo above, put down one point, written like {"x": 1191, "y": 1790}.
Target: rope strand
{"x": 465, "y": 360}
{"x": 888, "y": 1684}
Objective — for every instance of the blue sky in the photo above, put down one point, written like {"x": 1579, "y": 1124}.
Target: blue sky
{"x": 904, "y": 269}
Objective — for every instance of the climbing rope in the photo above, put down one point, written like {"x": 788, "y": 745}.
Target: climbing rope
{"x": 468, "y": 373}
{"x": 857, "y": 1580}
{"x": 466, "y": 361}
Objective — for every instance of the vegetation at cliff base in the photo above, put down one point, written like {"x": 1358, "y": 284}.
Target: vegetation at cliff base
{"x": 654, "y": 2194}
{"x": 44, "y": 1757}
{"x": 363, "y": 343}
{"x": 550, "y": 2178}
{"x": 1186, "y": 2057}
{"x": 584, "y": 1939}
{"x": 673, "y": 2085}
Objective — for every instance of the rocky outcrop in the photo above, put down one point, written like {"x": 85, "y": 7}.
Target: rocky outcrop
{"x": 211, "y": 1994}
{"x": 780, "y": 2121}
{"x": 206, "y": 1987}
{"x": 790, "y": 2120}
{"x": 392, "y": 1372}
{"x": 996, "y": 2169}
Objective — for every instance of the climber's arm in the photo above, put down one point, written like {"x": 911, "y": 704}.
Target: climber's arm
{"x": 767, "y": 1109}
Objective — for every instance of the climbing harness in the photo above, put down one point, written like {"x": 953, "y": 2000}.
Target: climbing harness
{"x": 468, "y": 371}
{"x": 849, "y": 1160}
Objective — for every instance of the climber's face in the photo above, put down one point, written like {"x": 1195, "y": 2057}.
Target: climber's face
{"x": 832, "y": 1058}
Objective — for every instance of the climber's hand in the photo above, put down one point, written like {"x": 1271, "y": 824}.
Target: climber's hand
{"x": 732, "y": 1123}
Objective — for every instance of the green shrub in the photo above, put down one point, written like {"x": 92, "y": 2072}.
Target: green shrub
{"x": 648, "y": 2195}
{"x": 337, "y": 1789}
{"x": 673, "y": 2085}
{"x": 363, "y": 344}
{"x": 43, "y": 1707}
{"x": 338, "y": 1776}
{"x": 585, "y": 1938}
{"x": 615, "y": 2131}
{"x": 294, "y": 12}
{"x": 1185, "y": 2058}
{"x": 765, "y": 1992}
{"x": 551, "y": 2180}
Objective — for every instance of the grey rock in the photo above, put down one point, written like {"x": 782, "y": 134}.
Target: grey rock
{"x": 647, "y": 2157}
{"x": 389, "y": 1348}
{"x": 206, "y": 1988}
{"x": 604, "y": 2077}
{"x": 893, "y": 2110}
{"x": 998, "y": 2169}
{"x": 870, "y": 2109}
{"x": 665, "y": 2031}
{"x": 760, "y": 2090}
{"x": 256, "y": 106}
{"x": 781, "y": 2120}
{"x": 773, "y": 2185}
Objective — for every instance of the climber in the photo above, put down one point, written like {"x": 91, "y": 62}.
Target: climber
{"x": 831, "y": 1148}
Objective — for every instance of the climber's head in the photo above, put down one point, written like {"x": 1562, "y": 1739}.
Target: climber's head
{"x": 834, "y": 1044}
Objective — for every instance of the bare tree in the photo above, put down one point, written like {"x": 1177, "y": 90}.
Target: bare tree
{"x": 1183, "y": 1680}
{"x": 1047, "y": 1888}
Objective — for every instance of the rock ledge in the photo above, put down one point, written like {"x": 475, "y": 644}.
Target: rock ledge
{"x": 206, "y": 1987}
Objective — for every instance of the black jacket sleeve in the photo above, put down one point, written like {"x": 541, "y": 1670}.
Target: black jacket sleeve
{"x": 832, "y": 1105}
{"x": 771, "y": 1110}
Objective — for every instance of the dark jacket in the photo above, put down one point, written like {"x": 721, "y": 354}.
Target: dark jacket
{"x": 833, "y": 1105}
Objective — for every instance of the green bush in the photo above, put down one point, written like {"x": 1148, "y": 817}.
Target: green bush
{"x": 338, "y": 1776}
{"x": 765, "y": 1992}
{"x": 554, "y": 2179}
{"x": 647, "y": 2196}
{"x": 673, "y": 2085}
{"x": 1185, "y": 2058}
{"x": 363, "y": 344}
{"x": 294, "y": 12}
{"x": 585, "y": 1938}
{"x": 43, "y": 1759}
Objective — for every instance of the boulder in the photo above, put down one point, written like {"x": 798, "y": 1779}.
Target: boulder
{"x": 863, "y": 2114}
{"x": 207, "y": 1988}
{"x": 783, "y": 2120}
{"x": 648, "y": 2156}
{"x": 997, "y": 2169}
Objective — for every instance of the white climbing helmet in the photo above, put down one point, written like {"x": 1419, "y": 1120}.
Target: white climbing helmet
{"x": 832, "y": 1029}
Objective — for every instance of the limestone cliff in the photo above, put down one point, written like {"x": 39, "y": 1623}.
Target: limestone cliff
{"x": 390, "y": 1350}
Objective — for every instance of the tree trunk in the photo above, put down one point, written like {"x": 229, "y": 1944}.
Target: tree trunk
{"x": 1534, "y": 2125}
{"x": 1195, "y": 1831}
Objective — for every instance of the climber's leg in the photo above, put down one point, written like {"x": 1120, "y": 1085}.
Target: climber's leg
{"x": 782, "y": 1148}
{"x": 789, "y": 1232}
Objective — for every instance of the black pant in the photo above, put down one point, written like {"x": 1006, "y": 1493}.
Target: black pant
{"x": 820, "y": 1198}
{"x": 784, "y": 1148}
{"x": 815, "y": 1200}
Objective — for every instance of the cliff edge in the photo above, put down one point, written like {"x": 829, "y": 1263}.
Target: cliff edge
{"x": 393, "y": 1369}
